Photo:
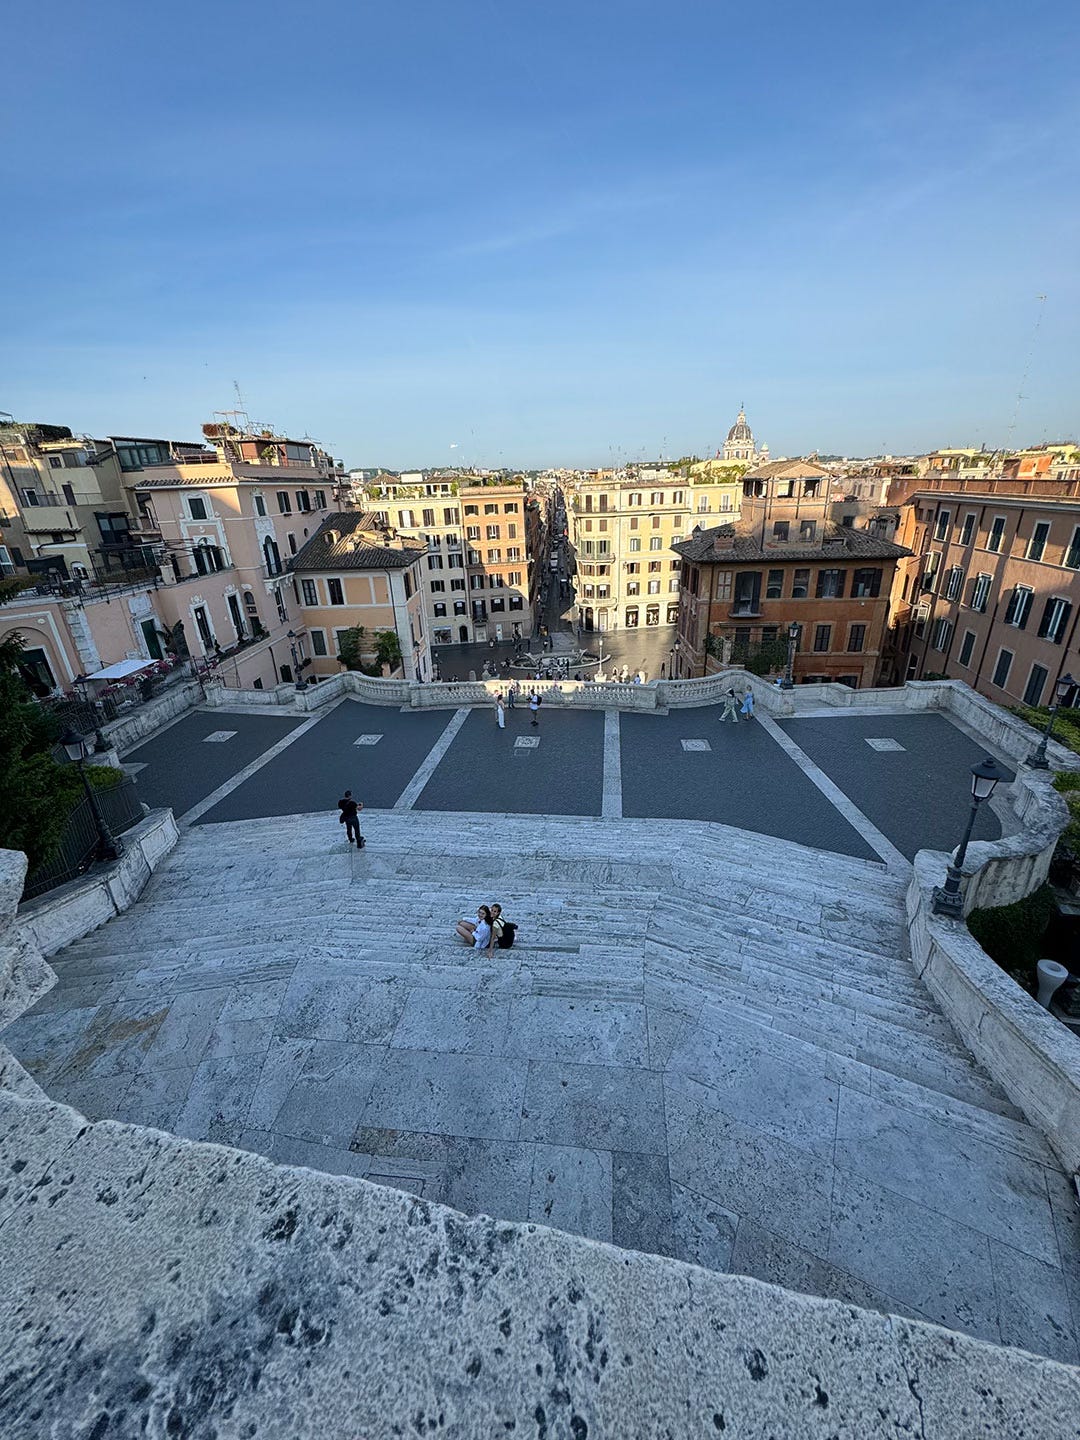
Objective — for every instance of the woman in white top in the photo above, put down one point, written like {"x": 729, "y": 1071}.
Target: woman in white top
{"x": 477, "y": 933}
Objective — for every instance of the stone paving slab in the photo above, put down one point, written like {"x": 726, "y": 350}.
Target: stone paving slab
{"x": 920, "y": 796}
{"x": 180, "y": 769}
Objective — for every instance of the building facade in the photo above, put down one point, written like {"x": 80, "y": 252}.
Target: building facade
{"x": 621, "y": 530}
{"x": 480, "y": 534}
{"x": 784, "y": 562}
{"x": 990, "y": 594}
{"x": 353, "y": 572}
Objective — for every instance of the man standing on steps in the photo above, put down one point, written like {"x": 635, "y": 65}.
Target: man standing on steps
{"x": 350, "y": 818}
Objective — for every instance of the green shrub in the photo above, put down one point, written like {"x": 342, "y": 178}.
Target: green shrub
{"x": 1012, "y": 935}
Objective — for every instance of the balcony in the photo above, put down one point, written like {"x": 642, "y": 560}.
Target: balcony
{"x": 47, "y": 519}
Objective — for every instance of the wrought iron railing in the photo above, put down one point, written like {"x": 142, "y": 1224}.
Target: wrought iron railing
{"x": 120, "y": 809}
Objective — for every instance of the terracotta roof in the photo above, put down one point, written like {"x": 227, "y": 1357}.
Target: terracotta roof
{"x": 773, "y": 469}
{"x": 727, "y": 543}
{"x": 355, "y": 542}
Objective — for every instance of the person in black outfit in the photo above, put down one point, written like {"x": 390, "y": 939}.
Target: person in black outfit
{"x": 350, "y": 818}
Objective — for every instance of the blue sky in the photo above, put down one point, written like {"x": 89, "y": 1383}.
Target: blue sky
{"x": 522, "y": 234}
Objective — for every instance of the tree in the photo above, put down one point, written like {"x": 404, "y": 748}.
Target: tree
{"x": 387, "y": 647}
{"x": 38, "y": 793}
{"x": 350, "y": 648}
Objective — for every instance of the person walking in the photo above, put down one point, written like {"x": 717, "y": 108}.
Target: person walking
{"x": 748, "y": 704}
{"x": 534, "y": 707}
{"x": 350, "y": 818}
{"x": 500, "y": 713}
{"x": 731, "y": 709}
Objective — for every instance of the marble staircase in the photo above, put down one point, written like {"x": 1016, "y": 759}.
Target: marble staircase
{"x": 706, "y": 1043}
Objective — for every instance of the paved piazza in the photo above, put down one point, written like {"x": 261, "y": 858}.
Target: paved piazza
{"x": 707, "y": 1042}
{"x": 912, "y": 796}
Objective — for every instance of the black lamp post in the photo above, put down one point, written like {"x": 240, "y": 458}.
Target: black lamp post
{"x": 297, "y": 678}
{"x": 793, "y": 633}
{"x": 1062, "y": 690}
{"x": 110, "y": 847}
{"x": 947, "y": 897}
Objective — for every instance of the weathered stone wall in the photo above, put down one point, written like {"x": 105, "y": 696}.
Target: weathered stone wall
{"x": 71, "y": 911}
{"x": 1033, "y": 1057}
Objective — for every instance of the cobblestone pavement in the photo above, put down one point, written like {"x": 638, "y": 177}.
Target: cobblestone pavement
{"x": 912, "y": 784}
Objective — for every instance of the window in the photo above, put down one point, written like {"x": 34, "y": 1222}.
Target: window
{"x": 203, "y": 626}
{"x": 656, "y": 542}
{"x": 1019, "y": 607}
{"x": 723, "y": 584}
{"x": 318, "y": 642}
{"x": 966, "y": 647}
{"x": 439, "y": 609}
{"x": 997, "y": 533}
{"x": 458, "y": 584}
{"x": 856, "y": 637}
{"x": 309, "y": 592}
{"x": 654, "y": 587}
{"x": 459, "y": 607}
{"x": 491, "y": 509}
{"x": 1055, "y": 618}
{"x": 941, "y": 634}
{"x": 56, "y": 461}
{"x": 929, "y": 575}
{"x": 941, "y": 529}
{"x": 303, "y": 501}
{"x": 1001, "y": 669}
{"x": 631, "y": 616}
{"x": 272, "y": 556}
{"x": 800, "y": 585}
{"x": 513, "y": 552}
{"x": 472, "y": 510}
{"x": 516, "y": 602}
{"x": 493, "y": 532}
{"x": 866, "y": 582}
{"x": 513, "y": 577}
{"x": 472, "y": 532}
{"x": 510, "y": 507}
{"x": 652, "y": 615}
{"x": 980, "y": 592}
{"x": 337, "y": 595}
{"x": 260, "y": 505}
{"x": 635, "y": 544}
{"x": 405, "y": 519}
{"x": 968, "y": 528}
{"x": 922, "y": 610}
{"x": 284, "y": 504}
{"x": 1037, "y": 543}
{"x": 657, "y": 521}
{"x": 673, "y": 583}
{"x": 437, "y": 587}
{"x": 780, "y": 529}
{"x": 511, "y": 530}
{"x": 1034, "y": 688}
{"x": 656, "y": 497}
{"x": 448, "y": 518}
{"x": 429, "y": 518}
{"x": 498, "y": 603}
{"x": 954, "y": 582}
{"x": 774, "y": 586}
{"x": 320, "y": 499}
{"x": 197, "y": 507}
{"x": 292, "y": 544}
{"x": 822, "y": 638}
{"x": 807, "y": 530}
{"x": 494, "y": 557}
{"x": 830, "y": 585}
{"x": 476, "y": 582}
{"x": 434, "y": 562}
{"x": 655, "y": 566}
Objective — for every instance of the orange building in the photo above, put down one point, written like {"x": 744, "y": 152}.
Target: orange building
{"x": 784, "y": 562}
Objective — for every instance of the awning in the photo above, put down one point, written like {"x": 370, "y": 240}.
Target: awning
{"x": 121, "y": 670}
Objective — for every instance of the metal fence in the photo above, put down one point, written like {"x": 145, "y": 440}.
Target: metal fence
{"x": 120, "y": 808}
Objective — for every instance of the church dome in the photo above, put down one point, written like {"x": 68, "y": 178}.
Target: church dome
{"x": 740, "y": 431}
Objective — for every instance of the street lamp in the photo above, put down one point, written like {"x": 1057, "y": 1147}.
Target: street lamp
{"x": 1037, "y": 759}
{"x": 109, "y": 847}
{"x": 292, "y": 637}
{"x": 947, "y": 899}
{"x": 794, "y": 635}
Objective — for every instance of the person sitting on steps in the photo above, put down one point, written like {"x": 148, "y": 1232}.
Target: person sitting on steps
{"x": 477, "y": 933}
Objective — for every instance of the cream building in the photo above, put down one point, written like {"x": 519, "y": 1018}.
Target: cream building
{"x": 480, "y": 537}
{"x": 621, "y": 530}
{"x": 353, "y": 572}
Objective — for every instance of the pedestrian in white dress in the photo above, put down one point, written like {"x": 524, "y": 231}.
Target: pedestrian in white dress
{"x": 500, "y": 713}
{"x": 748, "y": 704}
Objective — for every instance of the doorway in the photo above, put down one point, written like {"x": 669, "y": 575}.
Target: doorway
{"x": 463, "y": 634}
{"x": 235, "y": 617}
{"x": 150, "y": 639}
